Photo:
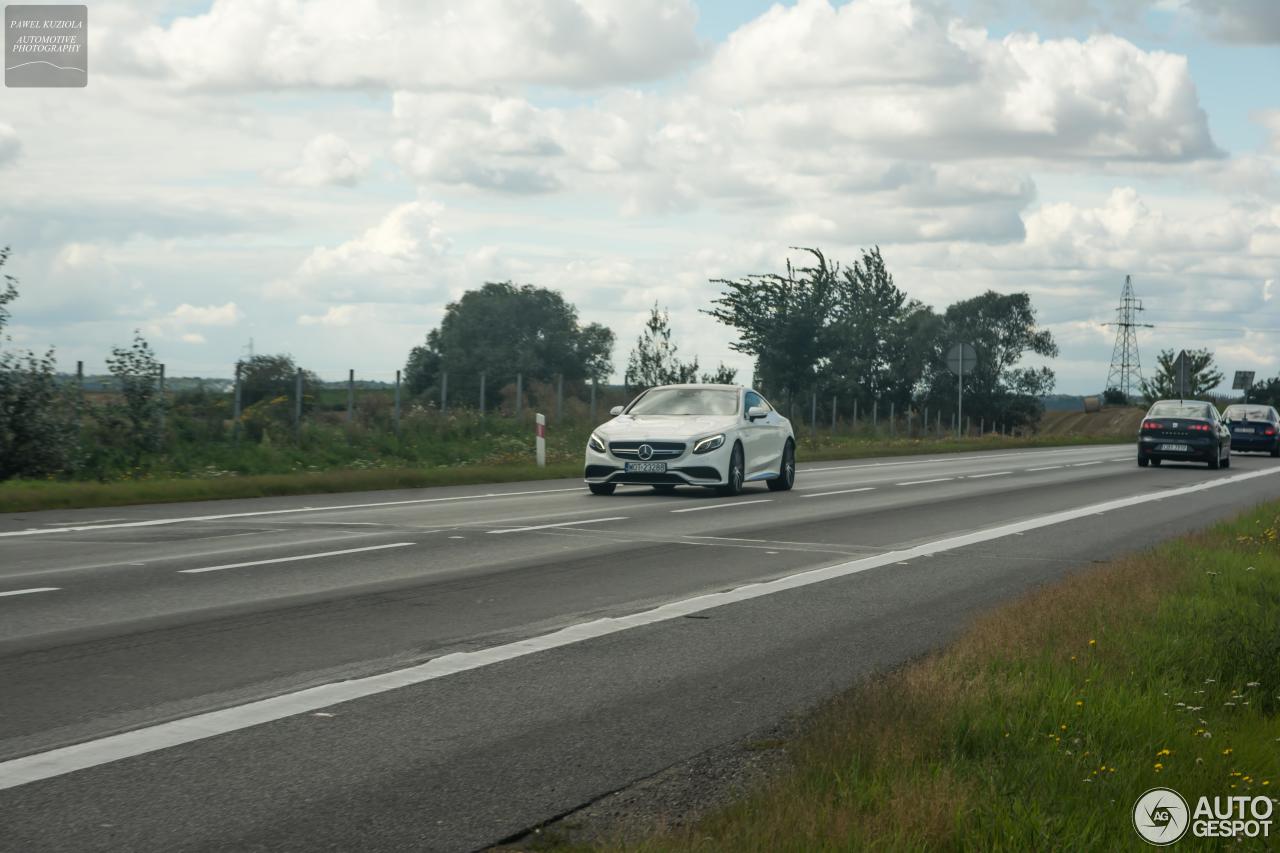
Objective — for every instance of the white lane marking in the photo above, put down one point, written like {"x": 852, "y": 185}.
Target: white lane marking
{"x": 94, "y": 521}
{"x": 722, "y": 506}
{"x": 295, "y": 558}
{"x": 1082, "y": 464}
{"x": 1120, "y": 459}
{"x": 956, "y": 457}
{"x": 992, "y": 474}
{"x": 68, "y": 759}
{"x": 841, "y": 492}
{"x": 154, "y": 522}
{"x": 562, "y": 524}
{"x": 922, "y": 482}
{"x": 1048, "y": 468}
{"x": 31, "y": 590}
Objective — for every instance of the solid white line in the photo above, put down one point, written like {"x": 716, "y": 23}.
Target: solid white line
{"x": 31, "y": 590}
{"x": 992, "y": 474}
{"x": 294, "y": 559}
{"x": 722, "y": 506}
{"x": 1048, "y": 468}
{"x": 95, "y": 521}
{"x": 1082, "y": 464}
{"x": 561, "y": 524}
{"x": 841, "y": 492}
{"x": 954, "y": 457}
{"x": 159, "y": 521}
{"x": 68, "y": 759}
{"x": 922, "y": 482}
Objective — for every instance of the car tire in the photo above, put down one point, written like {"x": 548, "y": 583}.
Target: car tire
{"x": 1156, "y": 462}
{"x": 1226, "y": 463}
{"x": 1143, "y": 461}
{"x": 735, "y": 475}
{"x": 664, "y": 488}
{"x": 1216, "y": 462}
{"x": 787, "y": 471}
{"x": 601, "y": 488}
{"x": 1275, "y": 452}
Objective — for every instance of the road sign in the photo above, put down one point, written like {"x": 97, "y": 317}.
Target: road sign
{"x": 1243, "y": 380}
{"x": 1181, "y": 371}
{"x": 961, "y": 359}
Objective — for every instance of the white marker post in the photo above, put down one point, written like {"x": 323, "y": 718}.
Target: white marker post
{"x": 541, "y": 441}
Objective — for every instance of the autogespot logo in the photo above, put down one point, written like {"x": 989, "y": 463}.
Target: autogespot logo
{"x": 1160, "y": 816}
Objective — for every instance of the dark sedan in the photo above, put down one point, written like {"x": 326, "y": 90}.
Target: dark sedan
{"x": 1184, "y": 431}
{"x": 1253, "y": 428}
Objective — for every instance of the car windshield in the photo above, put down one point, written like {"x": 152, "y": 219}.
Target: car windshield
{"x": 685, "y": 401}
{"x": 1171, "y": 409}
{"x": 1247, "y": 413}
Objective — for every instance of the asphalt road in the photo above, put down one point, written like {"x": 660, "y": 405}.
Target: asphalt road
{"x": 439, "y": 669}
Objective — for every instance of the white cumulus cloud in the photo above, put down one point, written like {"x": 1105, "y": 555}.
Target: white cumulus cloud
{"x": 328, "y": 159}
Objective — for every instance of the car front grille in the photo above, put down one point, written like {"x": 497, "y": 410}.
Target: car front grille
{"x": 661, "y": 449}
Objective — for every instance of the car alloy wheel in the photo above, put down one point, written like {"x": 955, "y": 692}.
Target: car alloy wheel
{"x": 787, "y": 474}
{"x": 736, "y": 475}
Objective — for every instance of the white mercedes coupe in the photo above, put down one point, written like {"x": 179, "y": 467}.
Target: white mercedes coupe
{"x": 719, "y": 436}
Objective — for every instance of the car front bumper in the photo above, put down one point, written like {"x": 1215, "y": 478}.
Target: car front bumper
{"x": 701, "y": 469}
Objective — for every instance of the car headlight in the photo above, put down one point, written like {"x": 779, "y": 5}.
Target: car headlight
{"x": 595, "y": 443}
{"x": 707, "y": 445}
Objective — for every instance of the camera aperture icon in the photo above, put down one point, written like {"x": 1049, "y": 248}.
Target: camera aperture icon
{"x": 1161, "y": 816}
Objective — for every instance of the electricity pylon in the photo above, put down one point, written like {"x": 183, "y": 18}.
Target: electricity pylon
{"x": 1126, "y": 369}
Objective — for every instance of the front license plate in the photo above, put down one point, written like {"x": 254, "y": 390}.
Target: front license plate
{"x": 1173, "y": 448}
{"x": 1243, "y": 431}
{"x": 646, "y": 467}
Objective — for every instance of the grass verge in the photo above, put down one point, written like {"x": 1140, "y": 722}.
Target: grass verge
{"x": 1040, "y": 727}
{"x": 33, "y": 495}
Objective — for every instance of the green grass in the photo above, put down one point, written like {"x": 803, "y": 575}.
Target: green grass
{"x": 336, "y": 460}
{"x": 1040, "y": 727}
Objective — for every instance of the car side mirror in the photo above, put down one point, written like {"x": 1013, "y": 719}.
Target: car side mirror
{"x": 615, "y": 411}
{"x": 755, "y": 413}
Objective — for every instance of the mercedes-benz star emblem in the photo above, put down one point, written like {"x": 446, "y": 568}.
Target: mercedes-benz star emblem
{"x": 644, "y": 451}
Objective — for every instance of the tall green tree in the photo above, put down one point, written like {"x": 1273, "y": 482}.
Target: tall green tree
{"x": 880, "y": 340}
{"x": 1202, "y": 376}
{"x": 722, "y": 375}
{"x": 135, "y": 419}
{"x": 784, "y": 322}
{"x": 1004, "y": 331}
{"x": 653, "y": 361}
{"x": 502, "y": 329}
{"x": 266, "y": 377}
{"x": 37, "y": 413}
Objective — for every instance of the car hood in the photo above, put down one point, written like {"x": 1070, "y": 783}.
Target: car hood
{"x": 626, "y": 427}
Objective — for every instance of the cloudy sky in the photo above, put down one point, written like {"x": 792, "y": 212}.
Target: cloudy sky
{"x": 324, "y": 177}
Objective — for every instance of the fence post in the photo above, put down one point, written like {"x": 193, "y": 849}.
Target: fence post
{"x": 967, "y": 427}
{"x": 982, "y": 424}
{"x": 833, "y": 414}
{"x": 910, "y": 422}
{"x": 559, "y": 397}
{"x": 482, "y": 393}
{"x": 79, "y": 399}
{"x": 924, "y": 424}
{"x": 351, "y": 393}
{"x": 813, "y": 415}
{"x": 396, "y": 414}
{"x": 855, "y": 415}
{"x": 297, "y": 402}
{"x": 160, "y": 413}
{"x": 893, "y": 421}
{"x": 540, "y": 440}
{"x": 444, "y": 391}
{"x": 235, "y": 417}
{"x": 519, "y": 394}
{"x": 939, "y": 423}
{"x": 875, "y": 416}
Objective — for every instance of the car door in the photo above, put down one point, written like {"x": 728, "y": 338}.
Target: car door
{"x": 756, "y": 437}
